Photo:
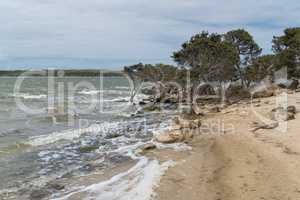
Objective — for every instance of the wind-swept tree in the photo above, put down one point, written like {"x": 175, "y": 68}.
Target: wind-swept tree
{"x": 141, "y": 73}
{"x": 287, "y": 50}
{"x": 246, "y": 48}
{"x": 209, "y": 58}
{"x": 259, "y": 68}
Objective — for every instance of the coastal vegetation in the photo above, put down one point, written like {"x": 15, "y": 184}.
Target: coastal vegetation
{"x": 233, "y": 57}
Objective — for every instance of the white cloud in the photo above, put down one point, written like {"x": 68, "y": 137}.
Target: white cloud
{"x": 132, "y": 30}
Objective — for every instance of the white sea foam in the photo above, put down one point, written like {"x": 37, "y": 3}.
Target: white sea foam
{"x": 94, "y": 92}
{"x": 29, "y": 96}
{"x": 71, "y": 134}
{"x": 89, "y": 92}
{"x": 122, "y": 87}
{"x": 138, "y": 183}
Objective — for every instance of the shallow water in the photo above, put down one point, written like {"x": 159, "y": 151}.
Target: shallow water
{"x": 77, "y": 132}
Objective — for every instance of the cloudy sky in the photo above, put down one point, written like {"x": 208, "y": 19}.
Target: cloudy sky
{"x": 113, "y": 33}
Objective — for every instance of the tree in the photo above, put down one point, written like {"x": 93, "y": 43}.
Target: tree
{"x": 287, "y": 50}
{"x": 140, "y": 73}
{"x": 259, "y": 68}
{"x": 209, "y": 58}
{"x": 246, "y": 48}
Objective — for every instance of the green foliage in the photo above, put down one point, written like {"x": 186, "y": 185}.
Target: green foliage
{"x": 246, "y": 48}
{"x": 287, "y": 50}
{"x": 259, "y": 68}
{"x": 208, "y": 56}
{"x": 151, "y": 73}
{"x": 245, "y": 45}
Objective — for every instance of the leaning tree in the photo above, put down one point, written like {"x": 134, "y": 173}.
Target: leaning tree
{"x": 287, "y": 51}
{"x": 246, "y": 48}
{"x": 209, "y": 58}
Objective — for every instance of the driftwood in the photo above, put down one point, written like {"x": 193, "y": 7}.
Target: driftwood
{"x": 259, "y": 126}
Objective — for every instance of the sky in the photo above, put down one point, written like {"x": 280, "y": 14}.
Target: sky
{"x": 109, "y": 34}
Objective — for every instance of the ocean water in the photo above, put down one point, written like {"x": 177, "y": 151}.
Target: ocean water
{"x": 84, "y": 125}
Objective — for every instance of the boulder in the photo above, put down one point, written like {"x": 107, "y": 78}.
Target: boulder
{"x": 55, "y": 186}
{"x": 264, "y": 93}
{"x": 148, "y": 146}
{"x": 294, "y": 85}
{"x": 282, "y": 86}
{"x": 174, "y": 136}
{"x": 292, "y": 109}
{"x": 282, "y": 114}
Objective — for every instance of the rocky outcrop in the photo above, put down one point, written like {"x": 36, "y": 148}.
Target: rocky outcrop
{"x": 284, "y": 114}
{"x": 294, "y": 85}
{"x": 181, "y": 130}
{"x": 267, "y": 91}
{"x": 173, "y": 136}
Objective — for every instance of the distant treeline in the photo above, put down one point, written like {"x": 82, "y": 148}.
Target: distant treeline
{"x": 80, "y": 73}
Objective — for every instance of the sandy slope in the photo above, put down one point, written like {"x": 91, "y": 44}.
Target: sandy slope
{"x": 237, "y": 165}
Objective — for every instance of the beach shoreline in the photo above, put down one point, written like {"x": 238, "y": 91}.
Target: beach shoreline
{"x": 244, "y": 165}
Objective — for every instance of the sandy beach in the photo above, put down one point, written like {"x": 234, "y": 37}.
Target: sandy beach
{"x": 238, "y": 165}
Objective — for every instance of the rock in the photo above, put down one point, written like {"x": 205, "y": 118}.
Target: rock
{"x": 284, "y": 116}
{"x": 282, "y": 86}
{"x": 290, "y": 116}
{"x": 56, "y": 186}
{"x": 259, "y": 126}
{"x": 39, "y": 194}
{"x": 165, "y": 138}
{"x": 87, "y": 149}
{"x": 215, "y": 109}
{"x": 264, "y": 92}
{"x": 281, "y": 114}
{"x": 142, "y": 103}
{"x": 151, "y": 108}
{"x": 174, "y": 136}
{"x": 292, "y": 109}
{"x": 112, "y": 135}
{"x": 294, "y": 85}
{"x": 148, "y": 146}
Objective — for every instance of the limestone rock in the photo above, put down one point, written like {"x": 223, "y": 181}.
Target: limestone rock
{"x": 174, "y": 136}
{"x": 294, "y": 85}
{"x": 148, "y": 146}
